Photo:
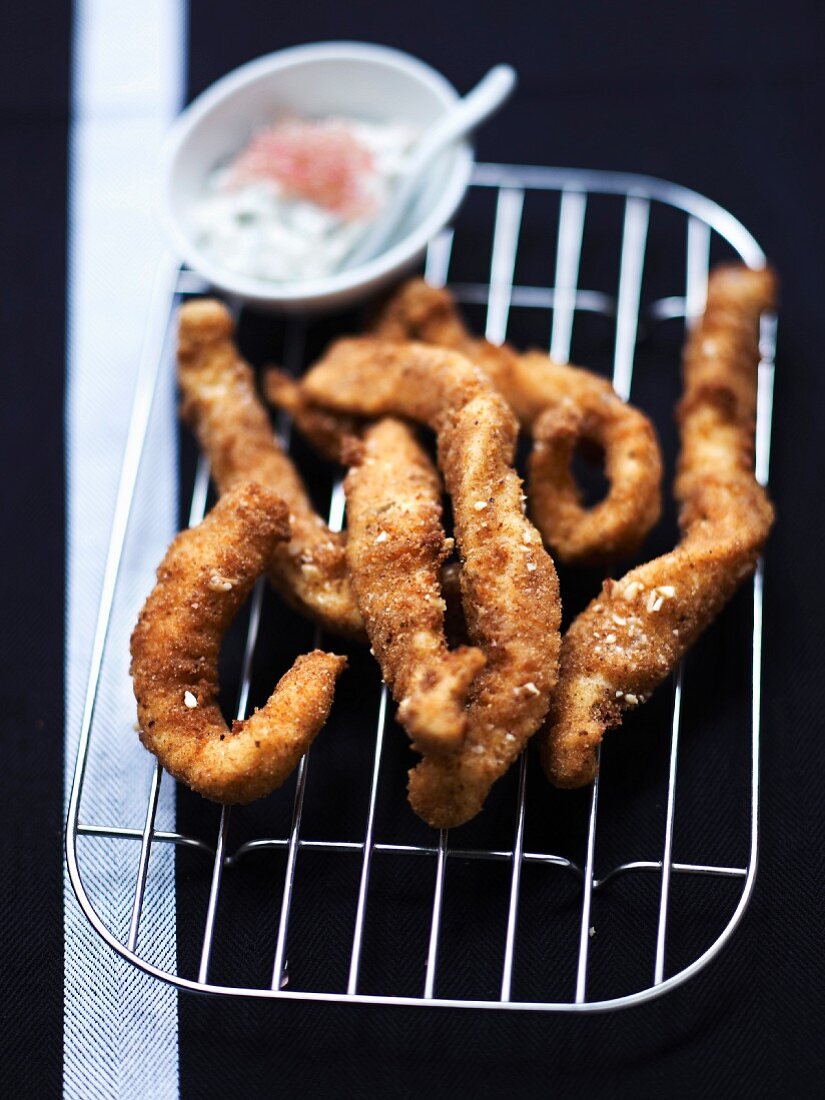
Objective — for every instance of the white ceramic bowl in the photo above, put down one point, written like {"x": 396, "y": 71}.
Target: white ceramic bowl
{"x": 349, "y": 78}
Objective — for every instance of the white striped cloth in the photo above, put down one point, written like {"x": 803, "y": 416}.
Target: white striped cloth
{"x": 120, "y": 1027}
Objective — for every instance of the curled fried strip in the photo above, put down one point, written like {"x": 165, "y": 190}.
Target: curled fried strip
{"x": 508, "y": 582}
{"x": 221, "y": 403}
{"x": 395, "y": 548}
{"x": 206, "y": 575}
{"x": 634, "y": 633}
{"x": 326, "y": 431}
{"x": 563, "y": 407}
{"x": 581, "y": 408}
{"x": 330, "y": 433}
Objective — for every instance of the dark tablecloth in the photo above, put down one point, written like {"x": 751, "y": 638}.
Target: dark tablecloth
{"x": 722, "y": 97}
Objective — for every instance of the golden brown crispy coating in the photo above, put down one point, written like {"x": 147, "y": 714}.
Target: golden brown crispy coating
{"x": 509, "y": 585}
{"x": 581, "y": 408}
{"x": 563, "y": 407}
{"x": 395, "y": 547}
{"x": 635, "y": 632}
{"x": 206, "y": 575}
{"x": 221, "y": 404}
{"x": 326, "y": 431}
{"x": 330, "y": 434}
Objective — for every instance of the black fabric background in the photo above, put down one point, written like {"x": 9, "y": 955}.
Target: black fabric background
{"x": 34, "y": 93}
{"x": 723, "y": 97}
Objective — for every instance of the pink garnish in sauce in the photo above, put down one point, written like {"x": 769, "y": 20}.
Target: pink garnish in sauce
{"x": 321, "y": 162}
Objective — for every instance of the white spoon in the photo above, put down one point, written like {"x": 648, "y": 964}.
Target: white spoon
{"x": 475, "y": 108}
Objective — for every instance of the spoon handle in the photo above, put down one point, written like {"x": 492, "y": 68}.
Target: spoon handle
{"x": 487, "y": 96}
{"x": 460, "y": 120}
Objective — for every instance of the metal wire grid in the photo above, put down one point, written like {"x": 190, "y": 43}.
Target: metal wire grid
{"x": 565, "y": 298}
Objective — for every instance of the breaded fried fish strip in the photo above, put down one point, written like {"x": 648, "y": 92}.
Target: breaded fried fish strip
{"x": 563, "y": 407}
{"x": 325, "y": 430}
{"x": 395, "y": 547}
{"x": 206, "y": 575}
{"x": 633, "y": 635}
{"x": 221, "y": 404}
{"x": 508, "y": 581}
{"x": 329, "y": 432}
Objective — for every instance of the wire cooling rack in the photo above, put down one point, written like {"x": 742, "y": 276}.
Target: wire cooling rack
{"x": 561, "y": 889}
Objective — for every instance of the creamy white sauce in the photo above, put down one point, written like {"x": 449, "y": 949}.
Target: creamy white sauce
{"x": 255, "y": 229}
